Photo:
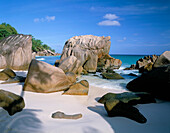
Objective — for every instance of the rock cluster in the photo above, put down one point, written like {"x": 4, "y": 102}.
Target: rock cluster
{"x": 16, "y": 52}
{"x": 122, "y": 104}
{"x": 87, "y": 53}
{"x": 11, "y": 102}
{"x": 46, "y": 53}
{"x": 156, "y": 81}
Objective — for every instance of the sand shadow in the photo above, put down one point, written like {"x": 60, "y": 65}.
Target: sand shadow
{"x": 118, "y": 124}
{"x": 22, "y": 122}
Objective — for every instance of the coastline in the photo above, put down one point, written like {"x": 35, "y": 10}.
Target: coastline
{"x": 36, "y": 116}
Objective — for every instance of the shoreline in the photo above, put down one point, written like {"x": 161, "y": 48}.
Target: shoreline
{"x": 36, "y": 116}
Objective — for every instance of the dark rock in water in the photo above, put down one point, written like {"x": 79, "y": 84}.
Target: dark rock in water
{"x": 16, "y": 52}
{"x": 132, "y": 74}
{"x": 80, "y": 88}
{"x": 155, "y": 82}
{"x": 116, "y": 107}
{"x": 45, "y": 78}
{"x": 11, "y": 102}
{"x": 16, "y": 79}
{"x": 163, "y": 59}
{"x": 61, "y": 115}
{"x": 132, "y": 67}
{"x": 129, "y": 97}
{"x": 7, "y": 74}
{"x": 112, "y": 76}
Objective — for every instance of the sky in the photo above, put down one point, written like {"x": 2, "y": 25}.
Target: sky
{"x": 135, "y": 26}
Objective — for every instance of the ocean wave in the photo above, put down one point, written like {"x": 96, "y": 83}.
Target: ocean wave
{"x": 41, "y": 59}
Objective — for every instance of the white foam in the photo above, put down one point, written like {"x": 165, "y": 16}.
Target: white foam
{"x": 41, "y": 59}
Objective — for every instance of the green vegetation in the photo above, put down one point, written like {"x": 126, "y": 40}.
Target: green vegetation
{"x": 37, "y": 45}
{"x": 6, "y": 30}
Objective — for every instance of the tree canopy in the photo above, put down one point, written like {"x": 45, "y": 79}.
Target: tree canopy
{"x": 37, "y": 45}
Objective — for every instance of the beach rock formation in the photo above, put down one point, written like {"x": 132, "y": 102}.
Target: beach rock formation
{"x": 163, "y": 59}
{"x": 88, "y": 49}
{"x": 131, "y": 98}
{"x": 71, "y": 76}
{"x": 16, "y": 52}
{"x": 46, "y": 53}
{"x": 116, "y": 107}
{"x": 45, "y": 78}
{"x": 70, "y": 64}
{"x": 80, "y": 88}
{"x": 7, "y": 74}
{"x": 155, "y": 82}
{"x": 122, "y": 104}
{"x": 61, "y": 115}
{"x": 11, "y": 102}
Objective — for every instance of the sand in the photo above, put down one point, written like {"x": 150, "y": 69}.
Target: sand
{"x": 36, "y": 116}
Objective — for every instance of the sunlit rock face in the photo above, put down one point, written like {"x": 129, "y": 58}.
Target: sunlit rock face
{"x": 16, "y": 52}
{"x": 88, "y": 49}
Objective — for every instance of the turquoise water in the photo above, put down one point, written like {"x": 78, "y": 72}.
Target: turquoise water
{"x": 98, "y": 81}
{"x": 127, "y": 60}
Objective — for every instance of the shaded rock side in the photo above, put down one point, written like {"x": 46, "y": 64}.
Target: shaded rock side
{"x": 87, "y": 49}
{"x": 11, "y": 102}
{"x": 117, "y": 108}
{"x": 155, "y": 82}
{"x": 80, "y": 88}
{"x": 163, "y": 59}
{"x": 7, "y": 74}
{"x": 45, "y": 78}
{"x": 16, "y": 52}
{"x": 61, "y": 115}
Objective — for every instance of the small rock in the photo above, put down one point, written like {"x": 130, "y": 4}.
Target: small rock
{"x": 80, "y": 88}
{"x": 7, "y": 74}
{"x": 16, "y": 79}
{"x": 61, "y": 115}
{"x": 112, "y": 76}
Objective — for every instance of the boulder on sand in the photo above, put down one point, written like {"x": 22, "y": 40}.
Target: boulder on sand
{"x": 61, "y": 115}
{"x": 7, "y": 74}
{"x": 11, "y": 102}
{"x": 80, "y": 88}
{"x": 16, "y": 52}
{"x": 45, "y": 78}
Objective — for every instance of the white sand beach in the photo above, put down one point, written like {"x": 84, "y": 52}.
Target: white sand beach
{"x": 36, "y": 116}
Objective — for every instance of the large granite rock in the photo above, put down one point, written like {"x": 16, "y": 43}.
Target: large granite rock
{"x": 163, "y": 59}
{"x": 45, "y": 78}
{"x": 11, "y": 102}
{"x": 88, "y": 49}
{"x": 16, "y": 52}
{"x": 70, "y": 64}
{"x": 155, "y": 82}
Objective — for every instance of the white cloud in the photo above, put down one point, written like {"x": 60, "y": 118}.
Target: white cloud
{"x": 124, "y": 39}
{"x": 110, "y": 16}
{"x": 47, "y": 18}
{"x": 109, "y": 23}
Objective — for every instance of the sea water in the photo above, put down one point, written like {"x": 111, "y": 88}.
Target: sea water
{"x": 97, "y": 80}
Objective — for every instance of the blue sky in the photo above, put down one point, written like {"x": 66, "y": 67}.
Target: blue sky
{"x": 135, "y": 26}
